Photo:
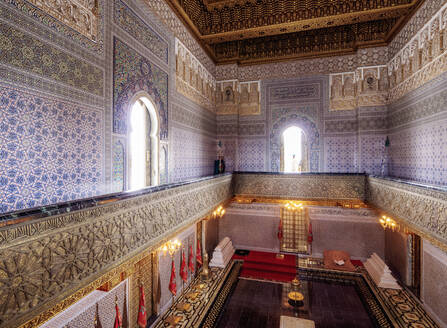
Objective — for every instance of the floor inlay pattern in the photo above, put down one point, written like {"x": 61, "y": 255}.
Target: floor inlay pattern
{"x": 400, "y": 305}
{"x": 210, "y": 298}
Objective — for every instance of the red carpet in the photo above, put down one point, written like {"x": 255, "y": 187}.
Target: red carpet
{"x": 265, "y": 266}
{"x": 357, "y": 263}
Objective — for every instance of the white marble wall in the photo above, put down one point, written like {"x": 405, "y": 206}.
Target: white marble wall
{"x": 82, "y": 313}
{"x": 434, "y": 282}
{"x": 356, "y": 231}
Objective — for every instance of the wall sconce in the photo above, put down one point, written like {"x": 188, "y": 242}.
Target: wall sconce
{"x": 293, "y": 206}
{"x": 387, "y": 222}
{"x": 171, "y": 247}
{"x": 218, "y": 212}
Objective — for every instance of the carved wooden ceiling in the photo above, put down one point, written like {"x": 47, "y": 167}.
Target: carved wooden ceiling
{"x": 251, "y": 31}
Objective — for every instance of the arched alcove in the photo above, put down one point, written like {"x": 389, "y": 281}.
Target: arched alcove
{"x": 312, "y": 139}
{"x": 143, "y": 143}
{"x": 294, "y": 150}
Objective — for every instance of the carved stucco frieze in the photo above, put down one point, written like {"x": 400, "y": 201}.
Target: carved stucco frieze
{"x": 193, "y": 80}
{"x": 44, "y": 262}
{"x": 300, "y": 186}
{"x": 367, "y": 86}
{"x": 235, "y": 97}
{"x": 422, "y": 209}
{"x": 80, "y": 15}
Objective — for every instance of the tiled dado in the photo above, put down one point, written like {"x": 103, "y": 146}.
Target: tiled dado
{"x": 54, "y": 256}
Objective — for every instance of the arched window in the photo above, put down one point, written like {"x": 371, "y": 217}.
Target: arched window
{"x": 294, "y": 150}
{"x": 143, "y": 145}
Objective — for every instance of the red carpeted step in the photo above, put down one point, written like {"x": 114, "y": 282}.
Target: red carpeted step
{"x": 264, "y": 275}
{"x": 269, "y": 267}
{"x": 269, "y": 258}
{"x": 357, "y": 263}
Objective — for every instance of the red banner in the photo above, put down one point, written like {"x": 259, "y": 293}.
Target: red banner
{"x": 172, "y": 283}
{"x": 280, "y": 235}
{"x": 190, "y": 260}
{"x": 142, "y": 319}
{"x": 183, "y": 270}
{"x": 310, "y": 236}
{"x": 118, "y": 321}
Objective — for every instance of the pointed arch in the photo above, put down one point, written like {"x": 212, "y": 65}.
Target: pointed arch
{"x": 151, "y": 142}
{"x": 312, "y": 138}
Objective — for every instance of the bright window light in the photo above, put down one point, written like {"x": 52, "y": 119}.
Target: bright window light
{"x": 292, "y": 149}
{"x": 138, "y": 147}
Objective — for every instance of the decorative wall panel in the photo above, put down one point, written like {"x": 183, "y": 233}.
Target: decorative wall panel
{"x": 67, "y": 252}
{"x": 340, "y": 154}
{"x": 193, "y": 154}
{"x": 423, "y": 58}
{"x": 192, "y": 79}
{"x": 420, "y": 152}
{"x": 118, "y": 166}
{"x": 170, "y": 19}
{"x": 251, "y": 154}
{"x": 93, "y": 36}
{"x": 133, "y": 73}
{"x": 427, "y": 10}
{"x": 296, "y": 102}
{"x": 137, "y": 28}
{"x": 80, "y": 15}
{"x": 22, "y": 51}
{"x": 193, "y": 119}
{"x": 241, "y": 98}
{"x": 366, "y": 86}
{"x": 372, "y": 154}
{"x": 306, "y": 186}
{"x": 305, "y": 67}
{"x": 422, "y": 209}
{"x": 51, "y": 151}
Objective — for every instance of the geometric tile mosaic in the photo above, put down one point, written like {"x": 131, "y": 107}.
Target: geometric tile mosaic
{"x": 25, "y": 52}
{"x": 57, "y": 27}
{"x": 193, "y": 155}
{"x": 133, "y": 73}
{"x": 50, "y": 151}
{"x": 420, "y": 153}
{"x": 129, "y": 21}
{"x": 340, "y": 154}
{"x": 118, "y": 166}
{"x": 372, "y": 152}
{"x": 251, "y": 154}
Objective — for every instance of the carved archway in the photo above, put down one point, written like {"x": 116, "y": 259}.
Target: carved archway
{"x": 311, "y": 132}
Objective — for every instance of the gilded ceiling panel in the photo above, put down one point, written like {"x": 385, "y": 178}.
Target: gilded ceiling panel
{"x": 249, "y": 31}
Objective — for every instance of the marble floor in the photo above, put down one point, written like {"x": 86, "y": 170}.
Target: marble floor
{"x": 260, "y": 304}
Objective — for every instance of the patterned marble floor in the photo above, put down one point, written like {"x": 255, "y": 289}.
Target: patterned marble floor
{"x": 387, "y": 307}
{"x": 402, "y": 308}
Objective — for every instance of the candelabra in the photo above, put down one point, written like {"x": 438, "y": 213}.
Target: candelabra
{"x": 171, "y": 247}
{"x": 293, "y": 206}
{"x": 389, "y": 223}
{"x": 218, "y": 212}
